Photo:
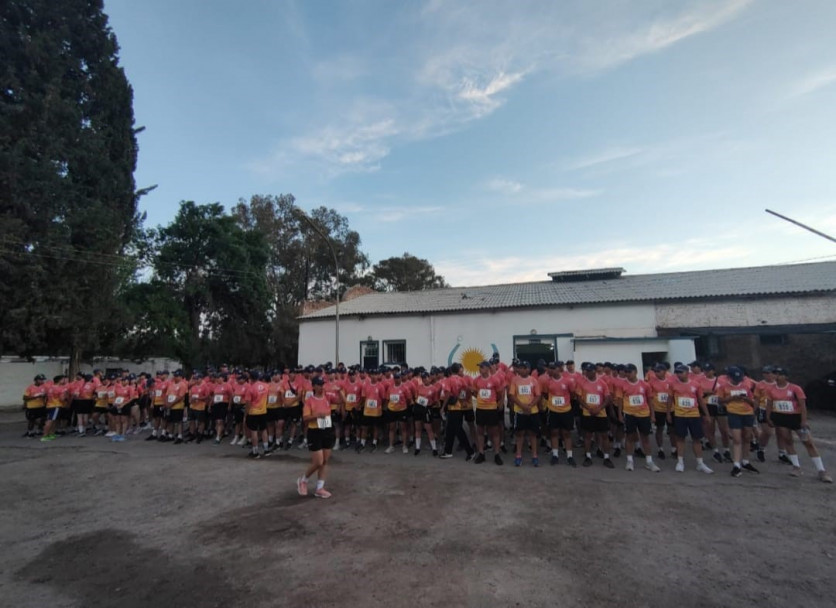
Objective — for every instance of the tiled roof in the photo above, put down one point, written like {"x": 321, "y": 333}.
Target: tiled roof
{"x": 733, "y": 282}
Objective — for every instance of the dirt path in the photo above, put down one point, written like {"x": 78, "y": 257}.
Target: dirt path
{"x": 88, "y": 523}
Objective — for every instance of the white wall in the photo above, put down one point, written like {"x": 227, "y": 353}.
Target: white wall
{"x": 748, "y": 313}
{"x": 15, "y": 376}
{"x": 431, "y": 338}
{"x": 629, "y": 351}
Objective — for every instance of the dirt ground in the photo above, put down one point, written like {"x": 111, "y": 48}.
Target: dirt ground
{"x": 89, "y": 523}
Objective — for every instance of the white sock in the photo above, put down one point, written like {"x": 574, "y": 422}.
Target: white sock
{"x": 744, "y": 462}
{"x": 418, "y": 444}
{"x": 269, "y": 439}
{"x": 305, "y": 479}
{"x": 818, "y": 463}
{"x": 794, "y": 460}
{"x": 433, "y": 444}
{"x": 630, "y": 458}
{"x": 266, "y": 445}
{"x": 374, "y": 441}
{"x": 681, "y": 460}
{"x": 320, "y": 484}
{"x": 568, "y": 453}
{"x": 648, "y": 459}
{"x": 606, "y": 455}
{"x": 589, "y": 455}
{"x": 555, "y": 452}
{"x": 700, "y": 462}
{"x": 363, "y": 442}
{"x": 737, "y": 464}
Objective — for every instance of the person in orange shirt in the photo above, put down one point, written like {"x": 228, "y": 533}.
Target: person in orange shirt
{"x": 198, "y": 402}
{"x": 524, "y": 395}
{"x": 737, "y": 397}
{"x": 34, "y": 402}
{"x": 660, "y": 396}
{"x": 717, "y": 418}
{"x": 557, "y": 401}
{"x": 688, "y": 406}
{"x": 240, "y": 394}
{"x": 398, "y": 403}
{"x": 455, "y": 397}
{"x": 333, "y": 390}
{"x": 786, "y": 411}
{"x": 634, "y": 412}
{"x": 294, "y": 390}
{"x": 426, "y": 398}
{"x": 175, "y": 403}
{"x": 57, "y": 400}
{"x": 158, "y": 389}
{"x": 761, "y": 394}
{"x": 123, "y": 398}
{"x": 316, "y": 416}
{"x": 594, "y": 396}
{"x": 353, "y": 419}
{"x": 490, "y": 395}
{"x": 256, "y": 419}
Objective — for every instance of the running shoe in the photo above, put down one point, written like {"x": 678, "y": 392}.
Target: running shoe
{"x": 796, "y": 472}
{"x": 680, "y": 468}
{"x": 435, "y": 453}
{"x": 373, "y": 448}
{"x": 150, "y": 438}
{"x": 446, "y": 456}
{"x": 497, "y": 459}
{"x": 234, "y": 440}
{"x": 110, "y": 434}
{"x": 302, "y": 486}
{"x": 389, "y": 450}
{"x": 727, "y": 457}
{"x": 554, "y": 460}
{"x": 660, "y": 454}
{"x": 761, "y": 456}
{"x": 628, "y": 466}
{"x": 599, "y": 453}
{"x": 535, "y": 461}
{"x": 178, "y": 441}
{"x": 609, "y": 463}
{"x": 470, "y": 457}
{"x": 616, "y": 452}
{"x": 571, "y": 461}
{"x": 47, "y": 438}
{"x": 716, "y": 456}
{"x": 517, "y": 462}
{"x": 651, "y": 466}
{"x": 358, "y": 447}
{"x": 217, "y": 441}
{"x": 784, "y": 459}
{"x": 405, "y": 449}
{"x": 824, "y": 477}
{"x": 502, "y": 448}
{"x": 638, "y": 452}
{"x": 736, "y": 472}
{"x": 322, "y": 493}
{"x": 587, "y": 462}
{"x": 480, "y": 458}
{"x": 702, "y": 468}
{"x": 417, "y": 451}
{"x": 748, "y": 466}
{"x": 254, "y": 455}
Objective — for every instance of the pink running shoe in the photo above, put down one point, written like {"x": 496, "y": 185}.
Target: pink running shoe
{"x": 322, "y": 493}
{"x": 302, "y": 487}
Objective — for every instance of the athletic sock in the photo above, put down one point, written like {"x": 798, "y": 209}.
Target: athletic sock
{"x": 568, "y": 453}
{"x": 418, "y": 444}
{"x": 700, "y": 462}
{"x": 266, "y": 445}
{"x": 648, "y": 459}
{"x": 374, "y": 442}
{"x": 363, "y": 442}
{"x": 737, "y": 464}
{"x": 589, "y": 455}
{"x": 320, "y": 484}
{"x": 305, "y": 479}
{"x": 744, "y": 462}
{"x": 818, "y": 463}
{"x": 555, "y": 452}
{"x": 269, "y": 439}
{"x": 794, "y": 460}
{"x": 606, "y": 455}
{"x": 681, "y": 460}
{"x": 433, "y": 444}
{"x": 255, "y": 449}
{"x": 629, "y": 458}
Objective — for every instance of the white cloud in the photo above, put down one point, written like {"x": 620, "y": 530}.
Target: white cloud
{"x": 516, "y": 190}
{"x": 813, "y": 82}
{"x": 605, "y": 156}
{"x": 505, "y": 186}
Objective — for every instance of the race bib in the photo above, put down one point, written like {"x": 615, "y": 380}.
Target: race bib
{"x": 462, "y": 394}
{"x": 101, "y": 395}
{"x": 558, "y": 401}
{"x": 662, "y": 397}
{"x": 272, "y": 398}
{"x": 172, "y": 398}
{"x": 219, "y": 398}
{"x": 352, "y": 398}
{"x": 195, "y": 397}
{"x": 713, "y": 400}
{"x": 289, "y": 394}
{"x": 236, "y": 399}
{"x": 738, "y": 393}
{"x": 785, "y": 407}
{"x": 110, "y": 394}
{"x": 524, "y": 389}
{"x": 158, "y": 393}
{"x": 119, "y": 401}
{"x": 371, "y": 404}
{"x": 593, "y": 399}
{"x": 323, "y": 423}
{"x": 422, "y": 401}
{"x": 686, "y": 403}
{"x": 394, "y": 398}
{"x": 636, "y": 400}
{"x": 485, "y": 393}
{"x": 308, "y": 394}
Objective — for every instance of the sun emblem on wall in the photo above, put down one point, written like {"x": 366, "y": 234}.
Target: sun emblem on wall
{"x": 471, "y": 358}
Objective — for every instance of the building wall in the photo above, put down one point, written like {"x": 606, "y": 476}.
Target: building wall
{"x": 748, "y": 313}
{"x": 438, "y": 339}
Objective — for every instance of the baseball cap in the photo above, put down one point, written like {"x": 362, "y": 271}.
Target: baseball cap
{"x": 318, "y": 381}
{"x": 680, "y": 368}
{"x": 630, "y": 367}
{"x": 484, "y": 364}
{"x": 659, "y": 367}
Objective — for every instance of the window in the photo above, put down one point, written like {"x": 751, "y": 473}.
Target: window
{"x": 773, "y": 339}
{"x": 708, "y": 347}
{"x": 394, "y": 352}
{"x": 533, "y": 348}
{"x": 369, "y": 354}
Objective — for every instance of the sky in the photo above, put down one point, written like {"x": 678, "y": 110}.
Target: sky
{"x": 500, "y": 140}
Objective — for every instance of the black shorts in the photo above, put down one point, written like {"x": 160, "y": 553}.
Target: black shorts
{"x": 122, "y": 410}
{"x": 321, "y": 439}
{"x": 53, "y": 413}
{"x": 83, "y": 406}
{"x": 257, "y": 422}
{"x": 564, "y": 421}
{"x": 354, "y": 417}
{"x": 294, "y": 413}
{"x": 372, "y": 421}
{"x": 200, "y": 416}
{"x": 238, "y": 413}
{"x": 158, "y": 411}
{"x": 175, "y": 416}
{"x": 787, "y": 421}
{"x": 487, "y": 417}
{"x": 594, "y": 424}
{"x": 661, "y": 419}
{"x": 637, "y": 423}
{"x": 219, "y": 411}
{"x": 469, "y": 416}
{"x": 761, "y": 415}
{"x": 336, "y": 417}
{"x": 35, "y": 413}
{"x": 612, "y": 414}
{"x": 689, "y": 426}
{"x": 435, "y": 413}
{"x": 101, "y": 410}
{"x": 526, "y": 422}
{"x": 272, "y": 414}
{"x": 399, "y": 416}
{"x": 420, "y": 413}
{"x": 66, "y": 414}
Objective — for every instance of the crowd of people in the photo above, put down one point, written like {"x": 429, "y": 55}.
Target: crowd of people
{"x": 602, "y": 410}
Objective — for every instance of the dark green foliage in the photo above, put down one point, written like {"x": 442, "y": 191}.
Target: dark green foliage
{"x": 405, "y": 273}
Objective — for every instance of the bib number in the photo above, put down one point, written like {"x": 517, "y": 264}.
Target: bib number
{"x": 172, "y": 398}
{"x": 395, "y": 398}
{"x": 636, "y": 400}
{"x": 422, "y": 401}
{"x": 785, "y": 407}
{"x": 713, "y": 400}
{"x": 271, "y": 399}
{"x": 323, "y": 423}
{"x": 158, "y": 393}
{"x": 524, "y": 390}
{"x": 371, "y": 404}
{"x": 485, "y": 393}
{"x": 119, "y": 401}
{"x": 558, "y": 401}
{"x": 462, "y": 394}
{"x": 662, "y": 397}
{"x": 686, "y": 403}
{"x": 236, "y": 399}
{"x": 593, "y": 399}
{"x": 351, "y": 398}
{"x": 219, "y": 398}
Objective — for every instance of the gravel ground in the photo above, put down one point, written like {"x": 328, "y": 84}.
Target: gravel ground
{"x": 90, "y": 523}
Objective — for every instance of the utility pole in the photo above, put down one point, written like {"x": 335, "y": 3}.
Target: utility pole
{"x": 792, "y": 221}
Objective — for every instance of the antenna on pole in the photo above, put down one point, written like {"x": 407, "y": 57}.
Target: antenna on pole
{"x": 792, "y": 221}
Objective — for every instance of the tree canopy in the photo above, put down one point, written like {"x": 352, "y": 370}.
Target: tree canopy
{"x": 405, "y": 273}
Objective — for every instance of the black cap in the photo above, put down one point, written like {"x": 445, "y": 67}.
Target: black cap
{"x": 680, "y": 368}
{"x": 586, "y": 366}
{"x": 484, "y": 364}
{"x": 630, "y": 367}
{"x": 40, "y": 377}
{"x": 558, "y": 363}
{"x": 318, "y": 381}
{"x": 570, "y": 361}
{"x": 768, "y": 369}
{"x": 659, "y": 367}
{"x": 781, "y": 371}
{"x": 695, "y": 363}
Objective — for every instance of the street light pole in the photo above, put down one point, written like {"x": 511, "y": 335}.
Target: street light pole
{"x": 327, "y": 240}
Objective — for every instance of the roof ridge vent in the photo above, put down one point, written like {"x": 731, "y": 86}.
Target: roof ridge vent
{"x": 588, "y": 274}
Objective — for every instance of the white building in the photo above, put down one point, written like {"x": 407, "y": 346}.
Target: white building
{"x": 728, "y": 316}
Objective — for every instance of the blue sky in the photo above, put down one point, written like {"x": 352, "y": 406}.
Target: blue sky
{"x": 500, "y": 140}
